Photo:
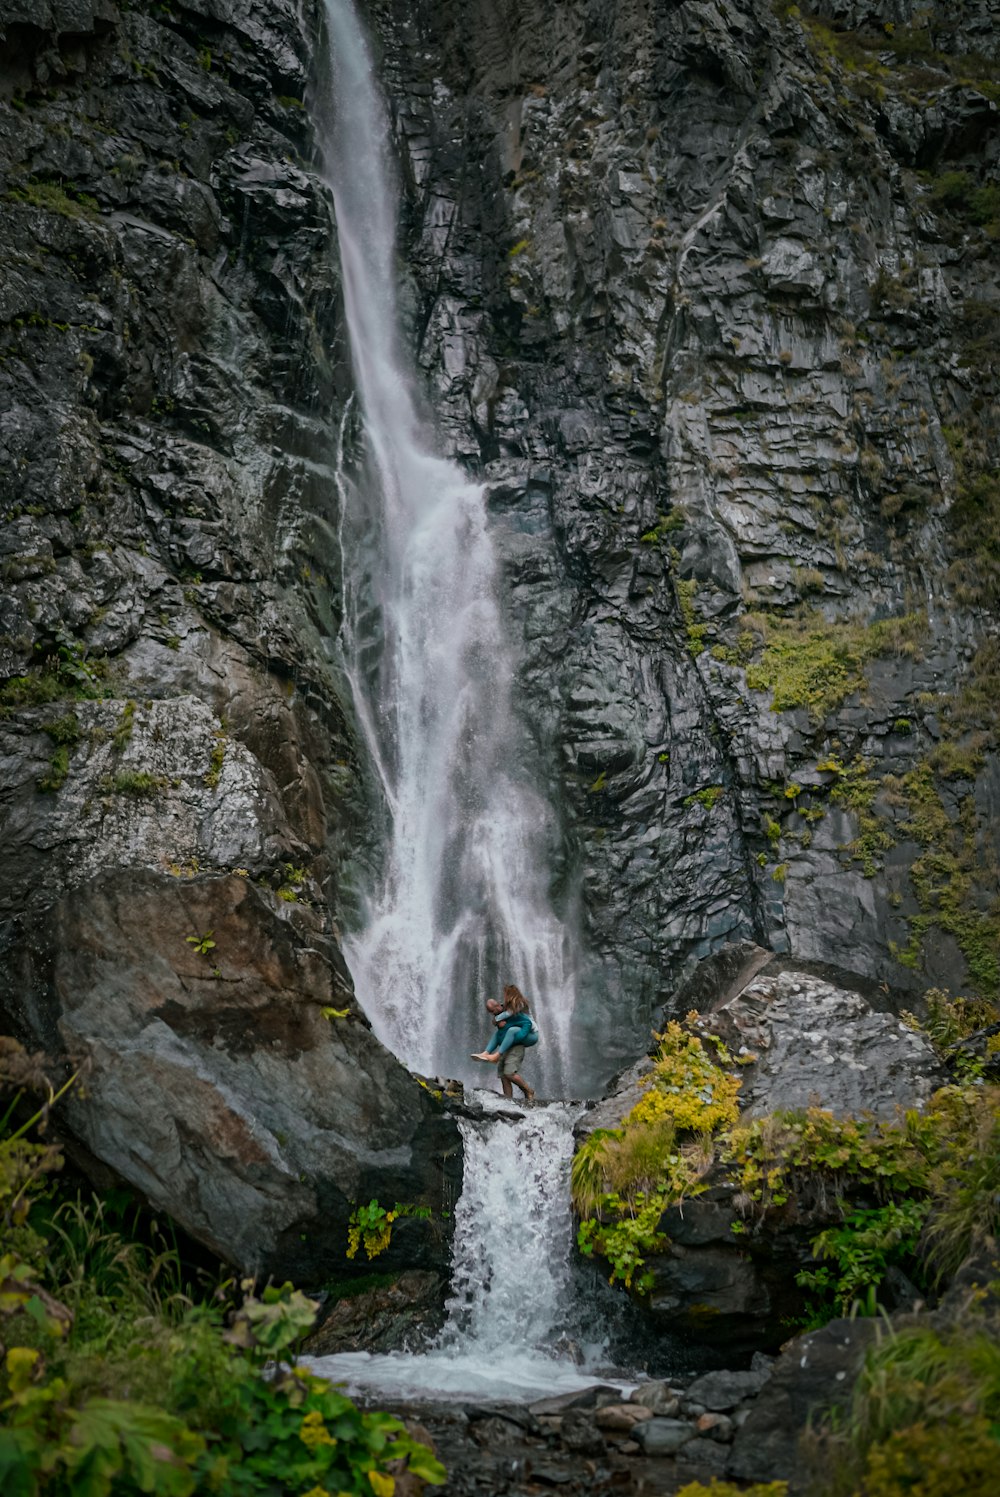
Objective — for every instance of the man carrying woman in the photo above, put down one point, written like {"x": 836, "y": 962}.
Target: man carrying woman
{"x": 516, "y": 1030}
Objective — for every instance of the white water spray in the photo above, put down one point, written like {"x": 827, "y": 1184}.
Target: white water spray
{"x": 510, "y": 1318}
{"x": 463, "y": 903}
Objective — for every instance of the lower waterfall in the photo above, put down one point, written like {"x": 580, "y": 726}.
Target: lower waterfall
{"x": 516, "y": 1328}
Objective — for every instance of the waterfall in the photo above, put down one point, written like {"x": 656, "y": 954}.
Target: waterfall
{"x": 462, "y": 904}
{"x": 514, "y": 1314}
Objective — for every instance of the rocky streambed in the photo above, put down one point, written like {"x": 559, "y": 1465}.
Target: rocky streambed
{"x": 656, "y": 1438}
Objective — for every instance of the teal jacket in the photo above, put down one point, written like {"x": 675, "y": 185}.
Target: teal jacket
{"x": 515, "y": 1029}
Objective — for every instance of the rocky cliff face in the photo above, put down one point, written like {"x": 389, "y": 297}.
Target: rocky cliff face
{"x": 179, "y": 781}
{"x": 706, "y": 293}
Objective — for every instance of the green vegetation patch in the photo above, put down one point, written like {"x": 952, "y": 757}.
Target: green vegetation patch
{"x": 945, "y": 879}
{"x": 120, "y": 1375}
{"x": 55, "y": 197}
{"x": 924, "y": 1418}
{"x": 809, "y": 662}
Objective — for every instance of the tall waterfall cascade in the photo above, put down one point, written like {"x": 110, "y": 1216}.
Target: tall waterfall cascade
{"x": 513, "y": 1318}
{"x": 462, "y": 905}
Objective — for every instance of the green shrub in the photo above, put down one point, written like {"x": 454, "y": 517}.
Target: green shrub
{"x": 810, "y": 662}
{"x": 115, "y": 1380}
{"x": 923, "y": 1420}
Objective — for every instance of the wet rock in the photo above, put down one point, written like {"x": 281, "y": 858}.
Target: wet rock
{"x": 621, "y": 1417}
{"x": 716, "y": 1427}
{"x": 583, "y": 1398}
{"x": 659, "y": 1436}
{"x": 579, "y": 1432}
{"x": 704, "y": 1455}
{"x": 237, "y": 1087}
{"x": 721, "y": 1391}
{"x": 658, "y": 1397}
{"x": 400, "y": 1315}
{"x": 814, "y": 1373}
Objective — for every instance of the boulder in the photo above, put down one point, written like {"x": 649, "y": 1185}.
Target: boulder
{"x": 815, "y": 1373}
{"x": 721, "y": 1391}
{"x": 390, "y": 1317}
{"x": 814, "y": 1041}
{"x": 621, "y": 1418}
{"x": 821, "y": 1044}
{"x": 663, "y": 1436}
{"x": 238, "y": 1087}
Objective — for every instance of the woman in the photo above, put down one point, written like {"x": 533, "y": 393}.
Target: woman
{"x": 515, "y": 1030}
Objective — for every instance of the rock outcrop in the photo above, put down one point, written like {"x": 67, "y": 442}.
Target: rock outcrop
{"x": 802, "y": 1041}
{"x": 179, "y": 767}
{"x": 240, "y": 1087}
{"x": 705, "y": 292}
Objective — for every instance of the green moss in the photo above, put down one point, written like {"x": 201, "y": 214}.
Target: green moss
{"x": 855, "y": 790}
{"x": 55, "y": 777}
{"x": 695, "y": 630}
{"x": 54, "y": 197}
{"x": 338, "y": 1289}
{"x": 665, "y": 525}
{"x": 137, "y": 782}
{"x": 945, "y": 879}
{"x": 126, "y": 725}
{"x": 65, "y": 734}
{"x": 708, "y": 797}
{"x": 812, "y": 663}
{"x": 975, "y": 513}
{"x": 32, "y": 691}
{"x": 216, "y": 760}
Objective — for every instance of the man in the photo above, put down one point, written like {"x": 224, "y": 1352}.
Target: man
{"x": 508, "y": 1064}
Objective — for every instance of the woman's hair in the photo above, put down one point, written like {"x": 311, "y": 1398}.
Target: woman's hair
{"x": 514, "y": 999}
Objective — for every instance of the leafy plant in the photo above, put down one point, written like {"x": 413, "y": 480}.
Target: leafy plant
{"x": 923, "y": 1420}
{"x": 861, "y": 1249}
{"x": 208, "y": 1419}
{"x": 371, "y": 1226}
{"x": 202, "y": 944}
{"x": 624, "y": 1178}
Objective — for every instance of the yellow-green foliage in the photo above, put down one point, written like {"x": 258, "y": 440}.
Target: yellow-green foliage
{"x": 975, "y": 513}
{"x": 624, "y": 1178}
{"x": 810, "y": 662}
{"x": 627, "y": 1162}
{"x": 114, "y": 1380}
{"x": 923, "y": 1420}
{"x": 945, "y": 878}
{"x": 695, "y": 630}
{"x": 856, "y": 790}
{"x": 948, "y": 1155}
{"x": 717, "y": 1488}
{"x": 687, "y": 1087}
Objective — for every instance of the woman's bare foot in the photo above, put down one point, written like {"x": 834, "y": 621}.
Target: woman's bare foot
{"x": 483, "y": 1055}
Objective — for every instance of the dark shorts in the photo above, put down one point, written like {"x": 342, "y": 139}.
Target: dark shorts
{"x": 511, "y": 1062}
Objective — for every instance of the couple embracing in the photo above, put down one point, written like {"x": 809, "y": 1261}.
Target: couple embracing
{"x": 516, "y": 1030}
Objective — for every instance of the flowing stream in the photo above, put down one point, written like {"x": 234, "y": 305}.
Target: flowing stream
{"x": 514, "y": 1330}
{"x": 462, "y": 905}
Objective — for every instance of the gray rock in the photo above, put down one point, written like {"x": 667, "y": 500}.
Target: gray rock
{"x": 721, "y": 1391}
{"x": 704, "y": 1455}
{"x": 663, "y": 1436}
{"x": 818, "y": 1044}
{"x": 815, "y": 1373}
{"x": 658, "y": 1397}
{"x": 216, "y": 1083}
{"x": 579, "y": 1433}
